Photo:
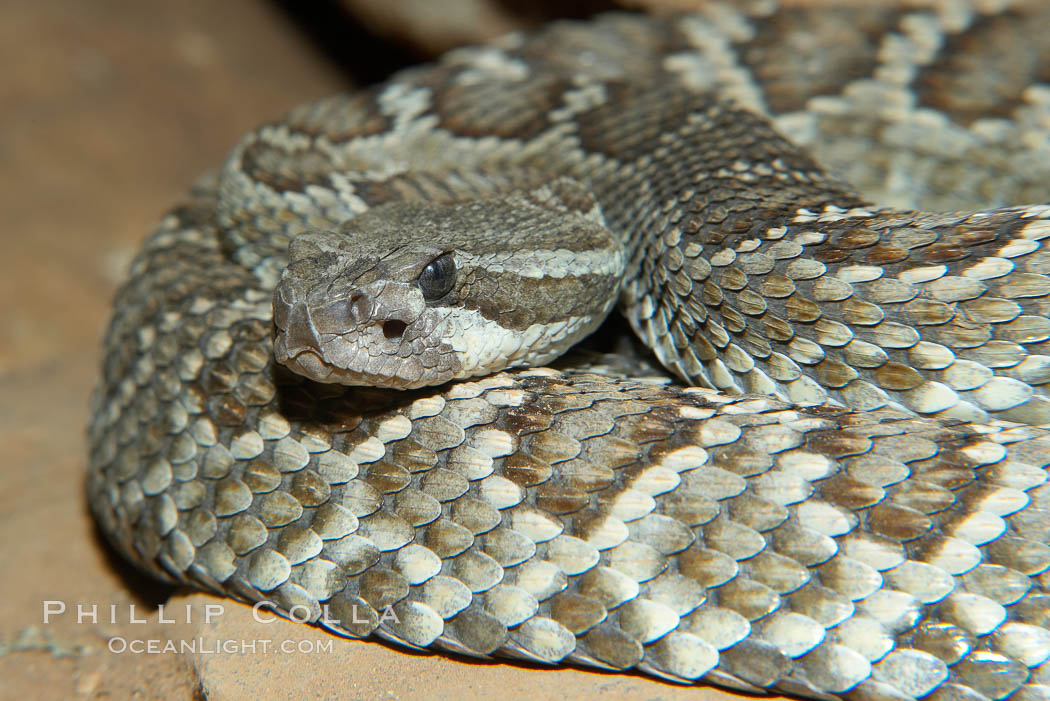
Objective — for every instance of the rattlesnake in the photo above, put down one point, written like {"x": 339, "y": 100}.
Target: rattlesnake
{"x": 796, "y": 526}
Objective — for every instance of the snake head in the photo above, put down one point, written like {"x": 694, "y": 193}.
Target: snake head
{"x": 411, "y": 294}
{"x": 359, "y": 319}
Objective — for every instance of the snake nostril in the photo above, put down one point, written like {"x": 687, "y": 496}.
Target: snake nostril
{"x": 361, "y": 307}
{"x": 394, "y": 328}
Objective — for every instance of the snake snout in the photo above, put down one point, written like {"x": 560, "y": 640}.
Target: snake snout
{"x": 296, "y": 330}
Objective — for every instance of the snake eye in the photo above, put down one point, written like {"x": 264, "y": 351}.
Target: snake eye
{"x": 438, "y": 277}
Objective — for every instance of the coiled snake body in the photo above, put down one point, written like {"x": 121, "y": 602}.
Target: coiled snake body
{"x": 857, "y": 506}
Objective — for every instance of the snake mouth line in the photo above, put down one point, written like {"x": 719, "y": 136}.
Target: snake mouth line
{"x": 309, "y": 364}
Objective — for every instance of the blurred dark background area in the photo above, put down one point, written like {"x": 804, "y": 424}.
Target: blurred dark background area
{"x": 369, "y": 39}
